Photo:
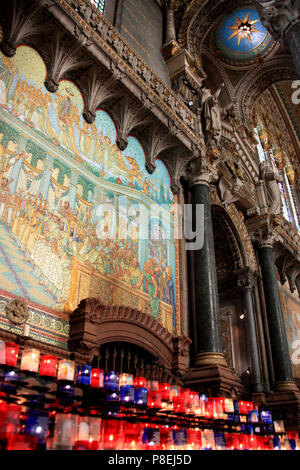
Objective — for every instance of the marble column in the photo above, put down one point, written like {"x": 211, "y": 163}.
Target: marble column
{"x": 247, "y": 286}
{"x": 278, "y": 338}
{"x": 207, "y": 332}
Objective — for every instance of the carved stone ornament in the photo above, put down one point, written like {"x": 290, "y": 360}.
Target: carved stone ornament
{"x": 200, "y": 172}
{"x": 17, "y": 312}
{"x": 279, "y": 16}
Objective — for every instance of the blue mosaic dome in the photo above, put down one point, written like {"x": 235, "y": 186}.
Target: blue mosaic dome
{"x": 242, "y": 38}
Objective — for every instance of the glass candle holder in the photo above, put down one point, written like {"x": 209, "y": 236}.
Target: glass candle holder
{"x": 11, "y": 354}
{"x": 113, "y": 434}
{"x": 166, "y": 438}
{"x": 266, "y": 417}
{"x": 88, "y": 429}
{"x": 154, "y": 400}
{"x": 22, "y": 442}
{"x": 220, "y": 442}
{"x": 97, "y": 379}
{"x": 151, "y": 438}
{"x": 165, "y": 391}
{"x": 37, "y": 424}
{"x": 113, "y": 396}
{"x": 66, "y": 370}
{"x": 208, "y": 440}
{"x": 152, "y": 385}
{"x": 133, "y": 439}
{"x": 279, "y": 426}
{"x": 9, "y": 419}
{"x": 83, "y": 374}
{"x": 2, "y": 353}
{"x": 140, "y": 382}
{"x": 125, "y": 379}
{"x": 174, "y": 391}
{"x": 127, "y": 394}
{"x": 48, "y": 366}
{"x": 179, "y": 438}
{"x": 179, "y": 404}
{"x": 141, "y": 397}
{"x": 228, "y": 405}
{"x": 245, "y": 407}
{"x": 64, "y": 432}
{"x": 30, "y": 360}
{"x": 111, "y": 381}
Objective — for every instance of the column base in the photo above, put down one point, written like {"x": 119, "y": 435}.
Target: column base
{"x": 214, "y": 380}
{"x": 259, "y": 398}
{"x": 284, "y": 403}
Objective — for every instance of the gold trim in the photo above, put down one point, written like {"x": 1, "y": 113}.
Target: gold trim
{"x": 210, "y": 359}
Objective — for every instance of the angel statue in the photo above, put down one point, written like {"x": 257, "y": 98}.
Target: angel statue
{"x": 271, "y": 180}
{"x": 230, "y": 192}
{"x": 211, "y": 114}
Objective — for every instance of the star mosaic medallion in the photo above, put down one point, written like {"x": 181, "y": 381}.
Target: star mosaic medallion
{"x": 243, "y": 28}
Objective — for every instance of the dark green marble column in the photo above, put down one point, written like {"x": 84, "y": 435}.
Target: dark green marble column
{"x": 207, "y": 322}
{"x": 278, "y": 337}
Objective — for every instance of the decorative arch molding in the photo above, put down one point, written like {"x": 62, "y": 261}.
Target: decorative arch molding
{"x": 238, "y": 236}
{"x": 93, "y": 324}
{"x": 258, "y": 80}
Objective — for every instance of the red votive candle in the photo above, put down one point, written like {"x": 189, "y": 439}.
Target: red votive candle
{"x": 179, "y": 404}
{"x": 48, "y": 366}
{"x": 113, "y": 434}
{"x": 245, "y": 407}
{"x": 133, "y": 439}
{"x": 11, "y": 353}
{"x": 165, "y": 391}
{"x": 97, "y": 378}
{"x": 140, "y": 382}
{"x": 154, "y": 399}
{"x": 22, "y": 442}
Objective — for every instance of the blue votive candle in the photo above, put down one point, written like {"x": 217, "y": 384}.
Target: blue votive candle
{"x": 141, "y": 396}
{"x": 180, "y": 437}
{"x": 266, "y": 417}
{"x": 127, "y": 394}
{"x": 37, "y": 424}
{"x": 111, "y": 381}
{"x": 112, "y": 396}
{"x": 83, "y": 375}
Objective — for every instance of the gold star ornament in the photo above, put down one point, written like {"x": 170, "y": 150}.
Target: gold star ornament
{"x": 243, "y": 28}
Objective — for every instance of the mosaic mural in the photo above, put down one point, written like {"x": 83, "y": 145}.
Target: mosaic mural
{"x": 291, "y": 309}
{"x": 55, "y": 172}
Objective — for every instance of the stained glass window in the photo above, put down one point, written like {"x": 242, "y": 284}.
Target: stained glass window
{"x": 99, "y": 4}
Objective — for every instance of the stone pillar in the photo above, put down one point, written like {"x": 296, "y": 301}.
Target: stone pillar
{"x": 207, "y": 327}
{"x": 284, "y": 403}
{"x": 279, "y": 344}
{"x": 282, "y": 19}
{"x": 246, "y": 283}
{"x": 210, "y": 372}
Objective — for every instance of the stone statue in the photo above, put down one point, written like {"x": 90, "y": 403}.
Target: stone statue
{"x": 211, "y": 114}
{"x": 230, "y": 192}
{"x": 271, "y": 180}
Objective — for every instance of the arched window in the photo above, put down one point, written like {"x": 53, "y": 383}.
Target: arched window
{"x": 99, "y": 4}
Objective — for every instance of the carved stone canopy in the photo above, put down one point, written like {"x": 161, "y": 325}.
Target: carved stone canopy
{"x": 94, "y": 323}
